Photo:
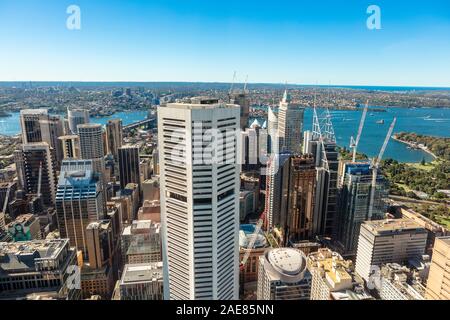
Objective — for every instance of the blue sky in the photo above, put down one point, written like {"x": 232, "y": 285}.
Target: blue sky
{"x": 304, "y": 42}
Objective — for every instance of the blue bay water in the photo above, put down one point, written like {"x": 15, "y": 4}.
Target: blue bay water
{"x": 427, "y": 121}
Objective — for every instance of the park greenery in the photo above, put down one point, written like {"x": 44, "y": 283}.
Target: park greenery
{"x": 440, "y": 147}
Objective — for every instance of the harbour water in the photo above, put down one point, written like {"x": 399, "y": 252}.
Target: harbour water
{"x": 427, "y": 121}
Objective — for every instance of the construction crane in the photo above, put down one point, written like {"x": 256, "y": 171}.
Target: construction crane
{"x": 39, "y": 181}
{"x": 375, "y": 166}
{"x": 5, "y": 204}
{"x": 232, "y": 83}
{"x": 354, "y": 143}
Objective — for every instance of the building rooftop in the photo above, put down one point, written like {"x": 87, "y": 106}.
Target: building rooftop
{"x": 200, "y": 103}
{"x": 25, "y": 219}
{"x": 21, "y": 256}
{"x": 388, "y": 226}
{"x": 142, "y": 272}
{"x": 287, "y": 261}
{"x": 246, "y": 232}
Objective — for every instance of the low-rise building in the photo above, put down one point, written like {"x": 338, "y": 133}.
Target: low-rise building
{"x": 283, "y": 275}
{"x": 397, "y": 283}
{"x": 25, "y": 227}
{"x": 333, "y": 278}
{"x": 142, "y": 282}
{"x": 44, "y": 267}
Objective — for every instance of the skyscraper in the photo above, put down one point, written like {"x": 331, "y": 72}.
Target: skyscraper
{"x": 301, "y": 194}
{"x": 91, "y": 146}
{"x": 290, "y": 125}
{"x": 321, "y": 143}
{"x": 79, "y": 201}
{"x": 70, "y": 146}
{"x": 53, "y": 128}
{"x": 29, "y": 161}
{"x": 129, "y": 165}
{"x": 77, "y": 117}
{"x": 277, "y": 184}
{"x": 30, "y": 121}
{"x": 38, "y": 126}
{"x": 354, "y": 202}
{"x": 200, "y": 202}
{"x": 282, "y": 275}
{"x": 114, "y": 137}
{"x": 272, "y": 130}
{"x": 385, "y": 241}
{"x": 241, "y": 99}
{"x": 438, "y": 283}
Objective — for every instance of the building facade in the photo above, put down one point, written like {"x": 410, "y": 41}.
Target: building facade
{"x": 200, "y": 202}
{"x": 282, "y": 275}
{"x": 438, "y": 284}
{"x": 388, "y": 241}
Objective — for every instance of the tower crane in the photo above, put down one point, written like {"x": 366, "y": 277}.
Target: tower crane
{"x": 39, "y": 181}
{"x": 375, "y": 166}
{"x": 354, "y": 143}
{"x": 5, "y": 204}
{"x": 232, "y": 83}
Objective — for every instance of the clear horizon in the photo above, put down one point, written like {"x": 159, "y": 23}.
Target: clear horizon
{"x": 206, "y": 41}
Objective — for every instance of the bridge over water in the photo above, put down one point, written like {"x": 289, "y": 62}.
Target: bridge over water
{"x": 146, "y": 124}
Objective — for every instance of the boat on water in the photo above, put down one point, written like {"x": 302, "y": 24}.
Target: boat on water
{"x": 380, "y": 121}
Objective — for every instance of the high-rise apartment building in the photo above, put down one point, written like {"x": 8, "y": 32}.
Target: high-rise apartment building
{"x": 438, "y": 283}
{"x": 32, "y": 159}
{"x": 290, "y": 125}
{"x": 282, "y": 275}
{"x": 198, "y": 143}
{"x": 114, "y": 137}
{"x": 129, "y": 170}
{"x": 354, "y": 202}
{"x": 77, "y": 117}
{"x": 387, "y": 241}
{"x": 79, "y": 201}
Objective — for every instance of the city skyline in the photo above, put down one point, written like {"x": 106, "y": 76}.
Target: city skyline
{"x": 302, "y": 43}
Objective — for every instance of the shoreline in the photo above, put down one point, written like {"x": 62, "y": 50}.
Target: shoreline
{"x": 415, "y": 146}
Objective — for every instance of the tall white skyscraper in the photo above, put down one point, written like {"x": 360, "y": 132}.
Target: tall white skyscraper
{"x": 76, "y": 117}
{"x": 91, "y": 145}
{"x": 200, "y": 198}
{"x": 290, "y": 125}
